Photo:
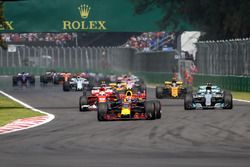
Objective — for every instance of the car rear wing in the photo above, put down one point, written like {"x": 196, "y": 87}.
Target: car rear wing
{"x": 167, "y": 83}
{"x": 180, "y": 83}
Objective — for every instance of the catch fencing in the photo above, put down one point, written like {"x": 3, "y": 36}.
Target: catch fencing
{"x": 230, "y": 57}
{"x": 37, "y": 60}
{"x": 225, "y": 63}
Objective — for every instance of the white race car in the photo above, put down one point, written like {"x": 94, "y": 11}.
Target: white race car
{"x": 75, "y": 83}
{"x": 208, "y": 97}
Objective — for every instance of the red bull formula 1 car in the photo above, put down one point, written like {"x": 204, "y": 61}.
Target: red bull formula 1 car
{"x": 129, "y": 108}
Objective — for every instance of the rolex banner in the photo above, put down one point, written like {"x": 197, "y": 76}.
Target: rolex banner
{"x": 78, "y": 16}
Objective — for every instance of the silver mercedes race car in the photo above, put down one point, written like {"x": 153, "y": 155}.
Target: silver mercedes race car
{"x": 208, "y": 97}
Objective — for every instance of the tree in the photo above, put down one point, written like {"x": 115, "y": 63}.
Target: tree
{"x": 221, "y": 19}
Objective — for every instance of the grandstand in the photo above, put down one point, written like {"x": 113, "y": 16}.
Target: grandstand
{"x": 153, "y": 41}
{"x": 38, "y": 39}
{"x": 147, "y": 41}
{"x": 87, "y": 39}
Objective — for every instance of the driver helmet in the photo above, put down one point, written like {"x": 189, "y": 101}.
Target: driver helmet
{"x": 208, "y": 89}
{"x": 128, "y": 96}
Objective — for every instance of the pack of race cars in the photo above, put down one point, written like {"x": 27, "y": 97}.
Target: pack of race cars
{"x": 125, "y": 97}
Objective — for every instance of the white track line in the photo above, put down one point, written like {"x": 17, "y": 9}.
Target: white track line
{"x": 50, "y": 116}
{"x": 240, "y": 100}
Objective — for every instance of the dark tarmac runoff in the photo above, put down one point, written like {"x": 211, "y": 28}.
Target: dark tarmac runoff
{"x": 197, "y": 138}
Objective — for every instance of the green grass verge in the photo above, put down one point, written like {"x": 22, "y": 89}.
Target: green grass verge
{"x": 241, "y": 95}
{"x": 10, "y": 111}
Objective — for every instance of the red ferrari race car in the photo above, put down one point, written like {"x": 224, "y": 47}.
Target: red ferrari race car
{"x": 129, "y": 108}
{"x": 97, "y": 95}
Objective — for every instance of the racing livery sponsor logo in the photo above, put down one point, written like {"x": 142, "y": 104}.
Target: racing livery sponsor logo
{"x": 84, "y": 24}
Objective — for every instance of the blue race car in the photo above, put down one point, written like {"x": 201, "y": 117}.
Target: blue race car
{"x": 23, "y": 79}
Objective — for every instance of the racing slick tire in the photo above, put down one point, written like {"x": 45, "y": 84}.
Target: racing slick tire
{"x": 228, "y": 100}
{"x": 188, "y": 100}
{"x": 42, "y": 78}
{"x": 101, "y": 111}
{"x": 56, "y": 80}
{"x": 32, "y": 80}
{"x": 83, "y": 101}
{"x": 45, "y": 80}
{"x": 157, "y": 105}
{"x": 14, "y": 80}
{"x": 150, "y": 109}
{"x": 159, "y": 92}
{"x": 183, "y": 92}
{"x": 66, "y": 86}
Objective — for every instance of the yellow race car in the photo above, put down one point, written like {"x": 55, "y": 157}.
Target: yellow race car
{"x": 118, "y": 87}
{"x": 170, "y": 89}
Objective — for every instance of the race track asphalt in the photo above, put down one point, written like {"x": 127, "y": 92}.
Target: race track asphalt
{"x": 199, "y": 138}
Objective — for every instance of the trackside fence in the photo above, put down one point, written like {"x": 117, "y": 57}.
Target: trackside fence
{"x": 153, "y": 66}
{"x": 224, "y": 57}
{"x": 224, "y": 62}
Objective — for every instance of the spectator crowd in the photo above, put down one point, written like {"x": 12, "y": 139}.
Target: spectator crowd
{"x": 152, "y": 41}
{"x": 147, "y": 41}
{"x": 58, "y": 38}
